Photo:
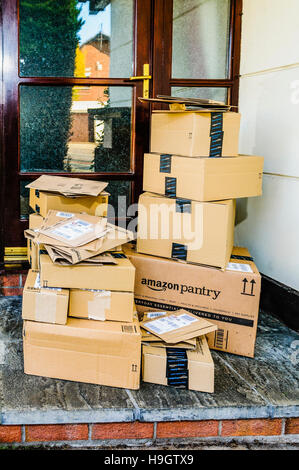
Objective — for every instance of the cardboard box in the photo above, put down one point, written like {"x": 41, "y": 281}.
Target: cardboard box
{"x": 151, "y": 340}
{"x": 177, "y": 326}
{"x": 68, "y": 186}
{"x": 203, "y": 179}
{"x": 114, "y": 277}
{"x": 101, "y": 305}
{"x": 195, "y": 369}
{"x": 147, "y": 337}
{"x": 75, "y": 231}
{"x": 42, "y": 202}
{"x": 35, "y": 221}
{"x": 230, "y": 298}
{"x": 41, "y": 304}
{"x": 197, "y": 232}
{"x": 32, "y": 254}
{"x": 195, "y": 133}
{"x": 103, "y": 353}
{"x": 60, "y": 252}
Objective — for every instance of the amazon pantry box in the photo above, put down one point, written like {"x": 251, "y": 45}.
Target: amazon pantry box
{"x": 229, "y": 298}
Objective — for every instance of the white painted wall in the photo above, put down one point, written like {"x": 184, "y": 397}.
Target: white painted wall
{"x": 269, "y": 103}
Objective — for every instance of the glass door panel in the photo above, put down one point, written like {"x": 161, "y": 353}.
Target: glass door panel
{"x": 75, "y": 129}
{"x": 66, "y": 38}
{"x": 200, "y": 39}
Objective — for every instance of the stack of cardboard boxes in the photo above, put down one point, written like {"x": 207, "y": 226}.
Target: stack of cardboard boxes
{"x": 185, "y": 256}
{"x": 78, "y": 314}
{"x": 192, "y": 288}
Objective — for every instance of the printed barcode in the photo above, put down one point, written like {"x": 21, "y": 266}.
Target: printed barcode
{"x": 127, "y": 328}
{"x": 219, "y": 338}
{"x": 155, "y": 328}
{"x": 188, "y": 318}
{"x": 64, "y": 214}
{"x": 155, "y": 314}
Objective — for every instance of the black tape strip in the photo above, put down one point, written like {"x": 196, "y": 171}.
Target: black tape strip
{"x": 216, "y": 134}
{"x": 183, "y": 206}
{"x": 170, "y": 186}
{"x": 243, "y": 258}
{"x": 179, "y": 251}
{"x": 177, "y": 368}
{"x": 165, "y": 163}
{"x": 174, "y": 382}
{"x": 117, "y": 255}
{"x": 199, "y": 313}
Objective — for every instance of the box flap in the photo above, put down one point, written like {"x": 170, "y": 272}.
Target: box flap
{"x": 178, "y": 326}
{"x": 76, "y": 230}
{"x": 68, "y": 186}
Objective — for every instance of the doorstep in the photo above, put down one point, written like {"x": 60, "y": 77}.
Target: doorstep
{"x": 264, "y": 387}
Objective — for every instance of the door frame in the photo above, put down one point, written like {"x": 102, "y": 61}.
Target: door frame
{"x": 152, "y": 44}
{"x": 162, "y": 53}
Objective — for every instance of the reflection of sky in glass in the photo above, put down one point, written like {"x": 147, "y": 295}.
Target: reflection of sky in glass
{"x": 93, "y": 24}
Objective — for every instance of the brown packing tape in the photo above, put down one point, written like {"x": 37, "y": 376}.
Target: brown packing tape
{"x": 98, "y": 306}
{"x": 46, "y": 306}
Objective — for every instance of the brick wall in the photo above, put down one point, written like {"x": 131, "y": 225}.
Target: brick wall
{"x": 12, "y": 283}
{"x": 88, "y": 434}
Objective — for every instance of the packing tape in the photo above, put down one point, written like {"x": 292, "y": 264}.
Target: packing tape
{"x": 216, "y": 134}
{"x": 179, "y": 251}
{"x": 242, "y": 258}
{"x": 97, "y": 307}
{"x": 183, "y": 205}
{"x": 165, "y": 163}
{"x": 46, "y": 306}
{"x": 177, "y": 373}
{"x": 116, "y": 255}
{"x": 170, "y": 186}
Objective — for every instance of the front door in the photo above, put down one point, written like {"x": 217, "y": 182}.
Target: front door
{"x": 70, "y": 99}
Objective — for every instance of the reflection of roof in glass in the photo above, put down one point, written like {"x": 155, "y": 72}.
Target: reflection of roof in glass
{"x": 95, "y": 22}
{"x": 98, "y": 41}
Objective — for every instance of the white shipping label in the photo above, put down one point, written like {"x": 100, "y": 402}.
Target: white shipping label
{"x": 65, "y": 215}
{"x": 245, "y": 268}
{"x": 167, "y": 324}
{"x": 72, "y": 230}
{"x": 155, "y": 314}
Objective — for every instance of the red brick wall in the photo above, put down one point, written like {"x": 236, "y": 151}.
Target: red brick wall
{"x": 87, "y": 433}
{"x": 12, "y": 283}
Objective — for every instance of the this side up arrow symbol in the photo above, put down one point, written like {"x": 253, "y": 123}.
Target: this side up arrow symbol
{"x": 244, "y": 286}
